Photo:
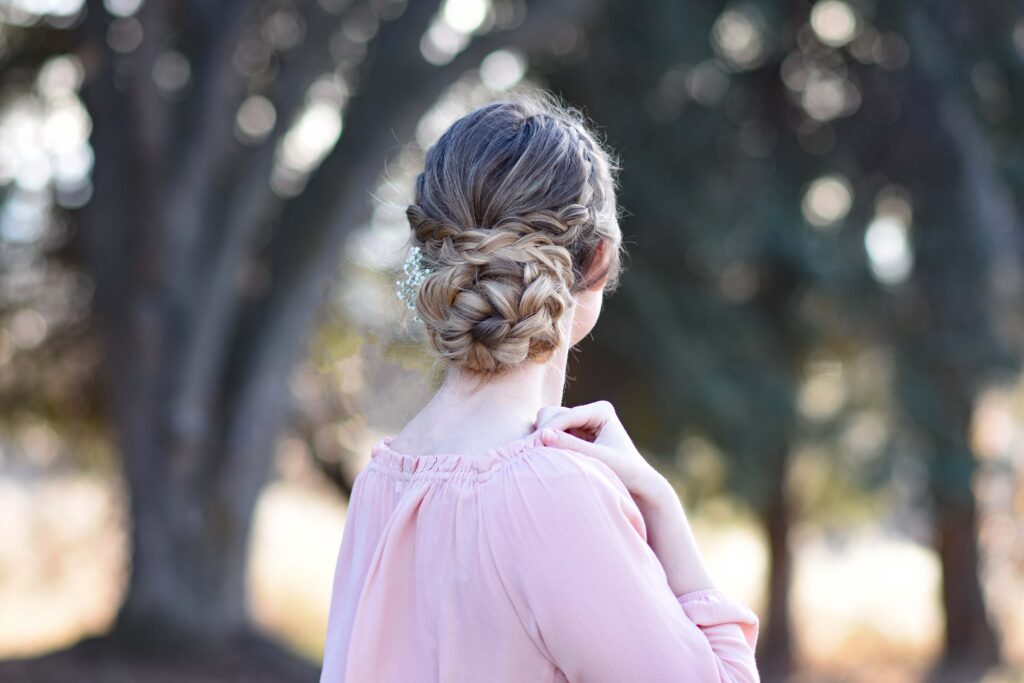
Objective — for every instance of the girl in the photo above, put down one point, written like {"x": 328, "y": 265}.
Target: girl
{"x": 500, "y": 537}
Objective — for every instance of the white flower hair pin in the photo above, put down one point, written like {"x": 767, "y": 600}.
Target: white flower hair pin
{"x": 415, "y": 271}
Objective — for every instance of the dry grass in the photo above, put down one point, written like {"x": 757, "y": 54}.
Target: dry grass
{"x": 864, "y": 610}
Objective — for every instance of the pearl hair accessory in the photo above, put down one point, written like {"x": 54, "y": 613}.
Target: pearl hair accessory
{"x": 414, "y": 271}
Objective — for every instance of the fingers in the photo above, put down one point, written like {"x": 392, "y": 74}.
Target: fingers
{"x": 590, "y": 417}
{"x": 558, "y": 439}
{"x": 546, "y": 413}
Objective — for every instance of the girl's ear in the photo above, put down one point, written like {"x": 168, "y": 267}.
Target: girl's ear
{"x": 599, "y": 263}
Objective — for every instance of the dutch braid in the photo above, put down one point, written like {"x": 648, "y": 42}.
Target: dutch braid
{"x": 511, "y": 205}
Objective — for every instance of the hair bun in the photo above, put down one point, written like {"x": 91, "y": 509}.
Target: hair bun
{"x": 512, "y": 203}
{"x": 495, "y": 297}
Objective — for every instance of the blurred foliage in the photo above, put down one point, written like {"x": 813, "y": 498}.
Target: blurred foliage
{"x": 763, "y": 142}
{"x": 810, "y": 184}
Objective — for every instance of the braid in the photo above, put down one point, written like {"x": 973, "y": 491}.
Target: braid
{"x": 496, "y": 292}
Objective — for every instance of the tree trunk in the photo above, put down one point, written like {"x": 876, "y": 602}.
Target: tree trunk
{"x": 190, "y": 517}
{"x": 969, "y": 639}
{"x": 196, "y": 364}
{"x": 775, "y": 646}
{"x": 951, "y": 331}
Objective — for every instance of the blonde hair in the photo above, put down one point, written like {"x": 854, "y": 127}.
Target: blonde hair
{"x": 512, "y": 203}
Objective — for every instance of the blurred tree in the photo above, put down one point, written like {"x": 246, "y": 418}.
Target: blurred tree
{"x": 761, "y": 144}
{"x": 958, "y": 323}
{"x": 235, "y": 146}
{"x": 710, "y": 313}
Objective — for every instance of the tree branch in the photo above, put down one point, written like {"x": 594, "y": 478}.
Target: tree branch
{"x": 251, "y": 200}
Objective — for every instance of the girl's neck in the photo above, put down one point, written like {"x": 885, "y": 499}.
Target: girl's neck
{"x": 467, "y": 416}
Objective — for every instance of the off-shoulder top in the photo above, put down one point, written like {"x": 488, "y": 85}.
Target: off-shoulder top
{"x": 526, "y": 564}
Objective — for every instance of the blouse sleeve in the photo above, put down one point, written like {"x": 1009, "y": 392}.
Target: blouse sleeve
{"x": 597, "y": 596}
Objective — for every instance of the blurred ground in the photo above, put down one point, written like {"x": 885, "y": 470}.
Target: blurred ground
{"x": 868, "y": 597}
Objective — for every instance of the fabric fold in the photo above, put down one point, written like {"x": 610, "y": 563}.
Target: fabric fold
{"x": 525, "y": 563}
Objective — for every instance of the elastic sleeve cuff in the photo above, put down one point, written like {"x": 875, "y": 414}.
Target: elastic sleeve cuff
{"x": 711, "y": 607}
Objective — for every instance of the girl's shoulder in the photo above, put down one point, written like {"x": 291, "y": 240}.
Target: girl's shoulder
{"x": 564, "y": 480}
{"x": 575, "y": 468}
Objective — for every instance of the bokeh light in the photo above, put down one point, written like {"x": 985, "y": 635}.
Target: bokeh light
{"x": 122, "y": 8}
{"x": 738, "y": 36}
{"x": 305, "y": 145}
{"x": 834, "y": 22}
{"x": 502, "y": 69}
{"x": 827, "y": 200}
{"x": 171, "y": 72}
{"x": 255, "y": 120}
{"x": 464, "y": 16}
{"x": 125, "y": 34}
{"x": 450, "y": 31}
{"x": 888, "y": 247}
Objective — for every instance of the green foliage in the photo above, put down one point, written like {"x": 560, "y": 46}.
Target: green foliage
{"x": 725, "y": 115}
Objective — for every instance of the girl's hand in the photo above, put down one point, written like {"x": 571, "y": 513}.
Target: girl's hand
{"x": 594, "y": 429}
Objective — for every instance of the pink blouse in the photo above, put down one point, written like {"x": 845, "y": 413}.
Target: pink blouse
{"x": 527, "y": 564}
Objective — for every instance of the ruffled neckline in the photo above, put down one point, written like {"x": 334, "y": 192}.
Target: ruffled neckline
{"x": 384, "y": 457}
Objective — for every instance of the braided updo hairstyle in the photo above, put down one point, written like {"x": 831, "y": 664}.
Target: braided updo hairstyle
{"x": 512, "y": 203}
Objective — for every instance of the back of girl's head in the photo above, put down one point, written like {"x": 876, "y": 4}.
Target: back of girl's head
{"x": 512, "y": 203}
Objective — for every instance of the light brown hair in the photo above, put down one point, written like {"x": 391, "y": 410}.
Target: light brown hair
{"x": 509, "y": 210}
